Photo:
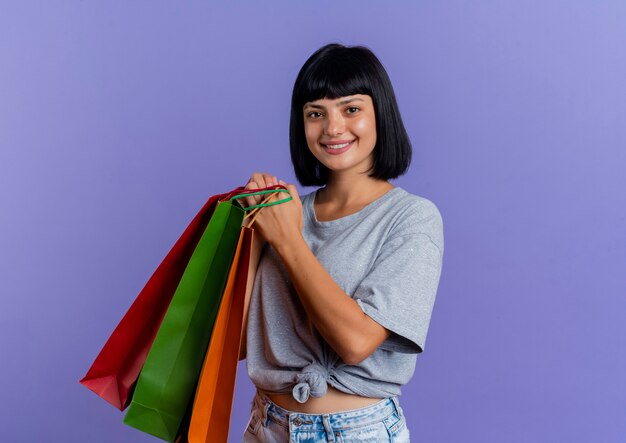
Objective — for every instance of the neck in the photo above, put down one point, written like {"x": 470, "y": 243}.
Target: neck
{"x": 345, "y": 190}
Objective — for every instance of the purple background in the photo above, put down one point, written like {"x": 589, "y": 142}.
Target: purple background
{"x": 118, "y": 119}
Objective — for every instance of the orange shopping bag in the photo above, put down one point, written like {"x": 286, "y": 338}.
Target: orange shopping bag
{"x": 210, "y": 419}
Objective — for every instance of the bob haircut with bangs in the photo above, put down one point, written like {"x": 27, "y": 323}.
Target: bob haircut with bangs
{"x": 335, "y": 71}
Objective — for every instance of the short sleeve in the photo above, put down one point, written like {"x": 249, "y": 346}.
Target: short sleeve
{"x": 399, "y": 292}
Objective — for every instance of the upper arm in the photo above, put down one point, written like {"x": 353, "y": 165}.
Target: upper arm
{"x": 399, "y": 291}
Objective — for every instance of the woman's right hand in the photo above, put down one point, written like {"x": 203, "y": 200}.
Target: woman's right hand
{"x": 258, "y": 181}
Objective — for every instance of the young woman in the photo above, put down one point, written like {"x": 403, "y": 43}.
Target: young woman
{"x": 348, "y": 274}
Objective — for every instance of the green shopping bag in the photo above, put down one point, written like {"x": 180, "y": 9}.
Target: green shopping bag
{"x": 167, "y": 381}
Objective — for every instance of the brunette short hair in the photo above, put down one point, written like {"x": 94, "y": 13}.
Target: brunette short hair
{"x": 335, "y": 71}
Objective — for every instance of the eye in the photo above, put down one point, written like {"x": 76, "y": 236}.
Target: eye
{"x": 313, "y": 114}
{"x": 352, "y": 110}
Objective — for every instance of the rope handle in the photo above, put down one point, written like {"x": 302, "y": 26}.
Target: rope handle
{"x": 255, "y": 212}
{"x": 265, "y": 203}
{"x": 242, "y": 190}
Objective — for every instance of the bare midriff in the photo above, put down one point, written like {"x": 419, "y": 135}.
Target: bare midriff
{"x": 333, "y": 401}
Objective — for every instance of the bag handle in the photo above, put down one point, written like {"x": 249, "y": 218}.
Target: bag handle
{"x": 255, "y": 212}
{"x": 242, "y": 190}
{"x": 256, "y": 209}
{"x": 266, "y": 201}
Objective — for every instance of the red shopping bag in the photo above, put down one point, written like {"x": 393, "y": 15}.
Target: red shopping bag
{"x": 116, "y": 368}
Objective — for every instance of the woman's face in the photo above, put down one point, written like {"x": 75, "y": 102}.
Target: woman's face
{"x": 341, "y": 133}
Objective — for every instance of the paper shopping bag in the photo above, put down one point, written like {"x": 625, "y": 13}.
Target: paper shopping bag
{"x": 115, "y": 370}
{"x": 210, "y": 418}
{"x": 168, "y": 379}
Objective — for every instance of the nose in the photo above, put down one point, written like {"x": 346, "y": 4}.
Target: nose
{"x": 334, "y": 125}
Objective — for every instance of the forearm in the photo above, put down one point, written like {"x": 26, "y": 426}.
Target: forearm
{"x": 338, "y": 318}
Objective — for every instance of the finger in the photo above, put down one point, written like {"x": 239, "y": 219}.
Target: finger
{"x": 263, "y": 180}
{"x": 250, "y": 182}
{"x": 270, "y": 180}
{"x": 284, "y": 183}
{"x": 293, "y": 191}
{"x": 252, "y": 185}
{"x": 258, "y": 179}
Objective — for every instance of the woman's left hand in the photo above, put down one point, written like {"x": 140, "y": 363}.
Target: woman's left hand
{"x": 283, "y": 222}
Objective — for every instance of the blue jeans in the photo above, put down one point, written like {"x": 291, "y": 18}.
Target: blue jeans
{"x": 380, "y": 422}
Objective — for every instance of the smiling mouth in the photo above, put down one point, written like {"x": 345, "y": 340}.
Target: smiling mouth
{"x": 336, "y": 146}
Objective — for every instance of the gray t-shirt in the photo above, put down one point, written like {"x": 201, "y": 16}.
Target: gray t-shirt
{"x": 388, "y": 258}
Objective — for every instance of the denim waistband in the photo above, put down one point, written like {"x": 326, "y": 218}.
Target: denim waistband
{"x": 331, "y": 422}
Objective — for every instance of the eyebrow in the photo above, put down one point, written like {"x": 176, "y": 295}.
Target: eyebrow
{"x": 341, "y": 103}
